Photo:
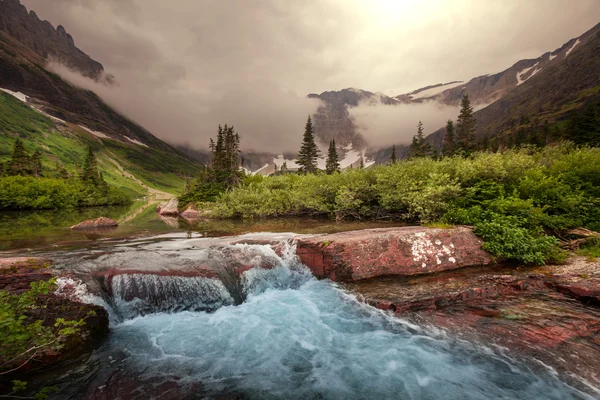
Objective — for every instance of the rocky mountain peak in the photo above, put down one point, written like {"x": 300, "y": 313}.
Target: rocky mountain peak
{"x": 41, "y": 37}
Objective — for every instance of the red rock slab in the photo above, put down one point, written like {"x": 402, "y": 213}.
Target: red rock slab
{"x": 94, "y": 224}
{"x": 405, "y": 251}
{"x": 17, "y": 273}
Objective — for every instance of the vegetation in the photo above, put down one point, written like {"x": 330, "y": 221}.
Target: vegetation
{"x": 224, "y": 172}
{"x": 449, "y": 144}
{"x": 309, "y": 152}
{"x": 518, "y": 200}
{"x": 23, "y": 336}
{"x": 419, "y": 146}
{"x": 465, "y": 127}
{"x": 332, "y": 164}
{"x": 63, "y": 150}
{"x": 25, "y": 188}
{"x": 393, "y": 156}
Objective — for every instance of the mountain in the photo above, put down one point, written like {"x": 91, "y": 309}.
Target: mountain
{"x": 546, "y": 87}
{"x": 26, "y": 46}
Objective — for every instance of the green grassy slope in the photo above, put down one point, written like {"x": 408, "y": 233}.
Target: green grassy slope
{"x": 66, "y": 144}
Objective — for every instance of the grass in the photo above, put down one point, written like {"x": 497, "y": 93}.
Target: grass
{"x": 157, "y": 168}
{"x": 590, "y": 250}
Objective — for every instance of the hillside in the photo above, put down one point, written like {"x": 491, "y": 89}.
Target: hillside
{"x": 63, "y": 119}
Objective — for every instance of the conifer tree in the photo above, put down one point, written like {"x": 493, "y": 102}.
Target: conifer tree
{"x": 36, "y": 163}
{"x": 90, "y": 174}
{"x": 465, "y": 127}
{"x": 332, "y": 164}
{"x": 448, "y": 147}
{"x": 362, "y": 162}
{"x": 20, "y": 163}
{"x": 225, "y": 156}
{"x": 419, "y": 146}
{"x": 284, "y": 168}
{"x": 309, "y": 152}
{"x": 393, "y": 156}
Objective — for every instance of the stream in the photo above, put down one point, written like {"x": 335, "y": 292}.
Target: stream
{"x": 260, "y": 327}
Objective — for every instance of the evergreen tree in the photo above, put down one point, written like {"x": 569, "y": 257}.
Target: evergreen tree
{"x": 419, "y": 146}
{"x": 393, "y": 156}
{"x": 362, "y": 162}
{"x": 309, "y": 152}
{"x": 20, "y": 163}
{"x": 448, "y": 147}
{"x": 225, "y": 156}
{"x": 465, "y": 129}
{"x": 90, "y": 174}
{"x": 284, "y": 168}
{"x": 332, "y": 164}
{"x": 36, "y": 163}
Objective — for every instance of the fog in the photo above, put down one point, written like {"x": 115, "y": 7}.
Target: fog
{"x": 385, "y": 125}
{"x": 185, "y": 66}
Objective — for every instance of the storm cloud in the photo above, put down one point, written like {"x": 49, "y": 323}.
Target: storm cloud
{"x": 185, "y": 66}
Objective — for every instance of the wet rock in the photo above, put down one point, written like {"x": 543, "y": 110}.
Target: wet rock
{"x": 95, "y": 224}
{"x": 16, "y": 276}
{"x": 169, "y": 209}
{"x": 192, "y": 213}
{"x": 406, "y": 251}
{"x": 17, "y": 273}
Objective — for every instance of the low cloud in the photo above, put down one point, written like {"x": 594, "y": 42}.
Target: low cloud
{"x": 267, "y": 117}
{"x": 385, "y": 125}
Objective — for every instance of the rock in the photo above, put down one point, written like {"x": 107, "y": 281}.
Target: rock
{"x": 586, "y": 291}
{"x": 169, "y": 209}
{"x": 98, "y": 223}
{"x": 16, "y": 276}
{"x": 405, "y": 251}
{"x": 17, "y": 273}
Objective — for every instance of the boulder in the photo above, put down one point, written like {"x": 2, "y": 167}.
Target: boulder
{"x": 16, "y": 276}
{"x": 169, "y": 208}
{"x": 404, "y": 251}
{"x": 93, "y": 224}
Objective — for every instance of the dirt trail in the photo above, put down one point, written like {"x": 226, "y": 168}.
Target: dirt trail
{"x": 158, "y": 194}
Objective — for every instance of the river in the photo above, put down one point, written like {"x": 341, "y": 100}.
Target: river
{"x": 273, "y": 332}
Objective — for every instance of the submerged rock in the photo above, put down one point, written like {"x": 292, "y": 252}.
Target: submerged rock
{"x": 170, "y": 208}
{"x": 98, "y": 223}
{"x": 405, "y": 251}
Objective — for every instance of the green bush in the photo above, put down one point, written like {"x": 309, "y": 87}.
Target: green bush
{"x": 26, "y": 192}
{"x": 517, "y": 200}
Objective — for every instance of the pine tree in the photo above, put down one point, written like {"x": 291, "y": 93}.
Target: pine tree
{"x": 284, "y": 168}
{"x": 90, "y": 174}
{"x": 393, "y": 156}
{"x": 309, "y": 152}
{"x": 465, "y": 129}
{"x": 362, "y": 162}
{"x": 448, "y": 148}
{"x": 419, "y": 146}
{"x": 36, "y": 163}
{"x": 20, "y": 163}
{"x": 332, "y": 164}
{"x": 225, "y": 156}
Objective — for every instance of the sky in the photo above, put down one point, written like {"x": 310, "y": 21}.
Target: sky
{"x": 185, "y": 66}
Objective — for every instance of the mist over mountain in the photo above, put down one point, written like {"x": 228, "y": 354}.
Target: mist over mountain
{"x": 184, "y": 68}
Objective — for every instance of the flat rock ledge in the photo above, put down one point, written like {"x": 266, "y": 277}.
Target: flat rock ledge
{"x": 404, "y": 251}
{"x": 94, "y": 224}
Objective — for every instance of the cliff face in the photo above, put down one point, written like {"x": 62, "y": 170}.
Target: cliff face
{"x": 47, "y": 42}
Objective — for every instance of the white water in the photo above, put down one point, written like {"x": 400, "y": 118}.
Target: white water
{"x": 295, "y": 337}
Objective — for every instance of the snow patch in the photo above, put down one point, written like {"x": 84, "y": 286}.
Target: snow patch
{"x": 572, "y": 47}
{"x": 524, "y": 72}
{"x": 434, "y": 91}
{"x": 95, "y": 133}
{"x": 135, "y": 141}
{"x": 552, "y": 57}
{"x": 18, "y": 95}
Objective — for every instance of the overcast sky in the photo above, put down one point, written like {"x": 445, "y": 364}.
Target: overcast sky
{"x": 187, "y": 65}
